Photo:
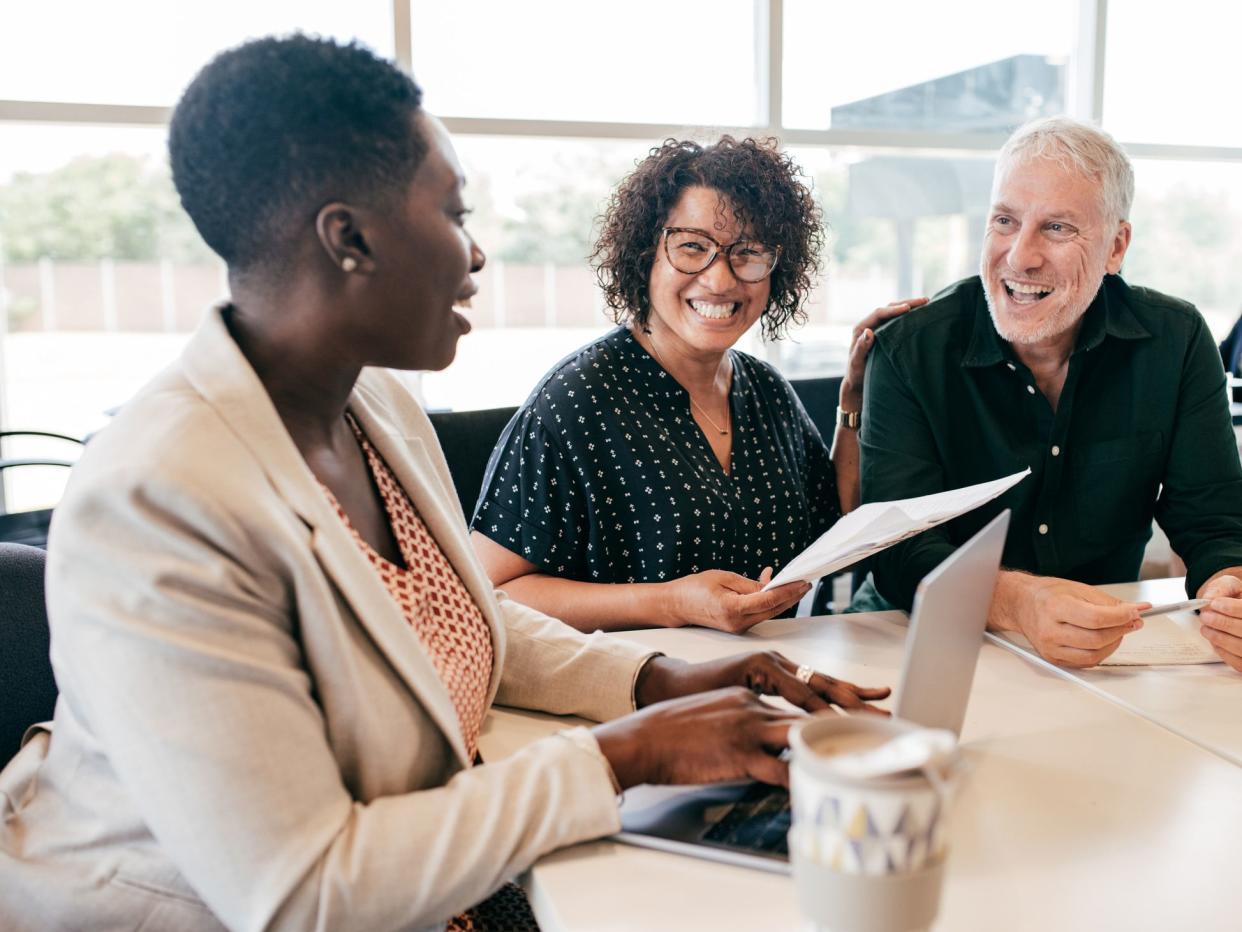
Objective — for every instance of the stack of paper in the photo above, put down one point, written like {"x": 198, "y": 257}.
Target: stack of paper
{"x": 1163, "y": 639}
{"x": 872, "y": 527}
{"x": 1172, "y": 638}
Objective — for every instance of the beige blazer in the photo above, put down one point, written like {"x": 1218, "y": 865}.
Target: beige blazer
{"x": 248, "y": 732}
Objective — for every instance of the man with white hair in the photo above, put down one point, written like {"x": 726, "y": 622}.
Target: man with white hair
{"x": 1114, "y": 395}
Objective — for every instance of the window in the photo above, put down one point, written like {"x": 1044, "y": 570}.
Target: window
{"x": 973, "y": 66}
{"x": 145, "y": 52}
{"x": 1172, "y": 78}
{"x": 535, "y": 204}
{"x": 899, "y": 225}
{"x": 1187, "y": 221}
{"x": 102, "y": 276}
{"x": 551, "y": 102}
{"x": 643, "y": 61}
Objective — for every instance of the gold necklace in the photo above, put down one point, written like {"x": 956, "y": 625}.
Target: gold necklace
{"x": 723, "y": 431}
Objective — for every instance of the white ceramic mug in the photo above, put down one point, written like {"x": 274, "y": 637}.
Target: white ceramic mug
{"x": 867, "y": 854}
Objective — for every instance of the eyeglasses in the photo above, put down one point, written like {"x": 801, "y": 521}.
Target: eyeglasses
{"x": 691, "y": 251}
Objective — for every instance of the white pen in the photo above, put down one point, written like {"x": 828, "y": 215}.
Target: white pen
{"x": 1188, "y": 605}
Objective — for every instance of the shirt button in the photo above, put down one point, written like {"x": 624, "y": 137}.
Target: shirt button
{"x": 1056, "y": 451}
{"x": 1043, "y": 529}
{"x": 1030, "y": 389}
{"x": 1012, "y": 367}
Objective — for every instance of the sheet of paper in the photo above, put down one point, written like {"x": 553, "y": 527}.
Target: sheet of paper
{"x": 872, "y": 527}
{"x": 1163, "y": 639}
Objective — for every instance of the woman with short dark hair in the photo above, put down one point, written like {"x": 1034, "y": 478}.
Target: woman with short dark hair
{"x": 274, "y": 646}
{"x": 656, "y": 476}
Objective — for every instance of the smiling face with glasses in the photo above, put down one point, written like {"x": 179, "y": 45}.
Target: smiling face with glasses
{"x": 691, "y": 251}
{"x": 711, "y": 279}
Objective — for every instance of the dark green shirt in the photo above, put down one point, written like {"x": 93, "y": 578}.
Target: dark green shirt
{"x": 1142, "y": 429}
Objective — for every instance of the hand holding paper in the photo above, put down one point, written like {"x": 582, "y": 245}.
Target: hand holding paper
{"x": 871, "y": 528}
{"x": 1163, "y": 639}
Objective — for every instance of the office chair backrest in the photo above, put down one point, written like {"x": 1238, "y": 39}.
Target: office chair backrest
{"x": 819, "y": 397}
{"x": 27, "y": 687}
{"x": 468, "y": 438}
{"x": 26, "y": 527}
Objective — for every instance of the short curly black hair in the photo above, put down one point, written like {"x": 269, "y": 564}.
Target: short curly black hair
{"x": 761, "y": 185}
{"x": 270, "y": 131}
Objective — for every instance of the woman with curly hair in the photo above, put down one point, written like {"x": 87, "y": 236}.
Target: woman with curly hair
{"x": 657, "y": 475}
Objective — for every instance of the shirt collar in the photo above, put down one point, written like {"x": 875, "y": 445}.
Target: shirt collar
{"x": 1105, "y": 317}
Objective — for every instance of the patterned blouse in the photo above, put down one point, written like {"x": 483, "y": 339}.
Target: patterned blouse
{"x": 604, "y": 476}
{"x": 432, "y": 597}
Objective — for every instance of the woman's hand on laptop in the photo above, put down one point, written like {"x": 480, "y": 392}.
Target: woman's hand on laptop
{"x": 765, "y": 673}
{"x": 710, "y": 737}
{"x": 705, "y": 722}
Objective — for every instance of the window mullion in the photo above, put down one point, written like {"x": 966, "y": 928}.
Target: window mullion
{"x": 770, "y": 63}
{"x": 402, "y": 34}
{"x": 1086, "y": 97}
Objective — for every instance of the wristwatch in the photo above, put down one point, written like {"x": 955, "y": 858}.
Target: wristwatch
{"x": 848, "y": 419}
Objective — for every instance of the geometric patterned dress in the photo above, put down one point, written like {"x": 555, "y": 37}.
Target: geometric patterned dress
{"x": 453, "y": 632}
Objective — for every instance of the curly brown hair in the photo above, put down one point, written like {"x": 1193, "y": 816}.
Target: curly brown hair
{"x": 762, "y": 186}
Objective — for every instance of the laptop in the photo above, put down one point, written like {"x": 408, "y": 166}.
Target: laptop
{"x": 747, "y": 823}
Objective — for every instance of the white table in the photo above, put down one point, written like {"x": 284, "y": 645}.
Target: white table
{"x": 1079, "y": 814}
{"x": 1200, "y": 702}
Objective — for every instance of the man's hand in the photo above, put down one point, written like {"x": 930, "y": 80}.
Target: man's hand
{"x": 1069, "y": 623}
{"x": 719, "y": 599}
{"x": 1222, "y": 620}
{"x": 860, "y": 345}
{"x": 763, "y": 672}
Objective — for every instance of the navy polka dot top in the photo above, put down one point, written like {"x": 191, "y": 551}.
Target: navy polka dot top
{"x": 604, "y": 476}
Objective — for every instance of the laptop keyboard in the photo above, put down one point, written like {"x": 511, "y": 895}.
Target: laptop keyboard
{"x": 758, "y": 821}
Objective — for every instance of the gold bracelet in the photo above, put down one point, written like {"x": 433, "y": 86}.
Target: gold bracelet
{"x": 848, "y": 419}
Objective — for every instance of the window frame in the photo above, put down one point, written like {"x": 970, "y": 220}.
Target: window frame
{"x": 1086, "y": 101}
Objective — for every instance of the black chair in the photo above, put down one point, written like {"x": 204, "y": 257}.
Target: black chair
{"x": 30, "y": 527}
{"x": 1231, "y": 356}
{"x": 468, "y": 438}
{"x": 820, "y": 397}
{"x": 27, "y": 687}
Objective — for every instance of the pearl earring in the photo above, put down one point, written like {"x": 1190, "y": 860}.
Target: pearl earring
{"x": 349, "y": 263}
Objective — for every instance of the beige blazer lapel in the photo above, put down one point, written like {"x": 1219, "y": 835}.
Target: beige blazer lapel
{"x": 414, "y": 464}
{"x": 362, "y": 587}
{"x": 221, "y": 374}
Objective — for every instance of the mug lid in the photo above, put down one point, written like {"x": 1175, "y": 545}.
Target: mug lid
{"x": 939, "y": 749}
